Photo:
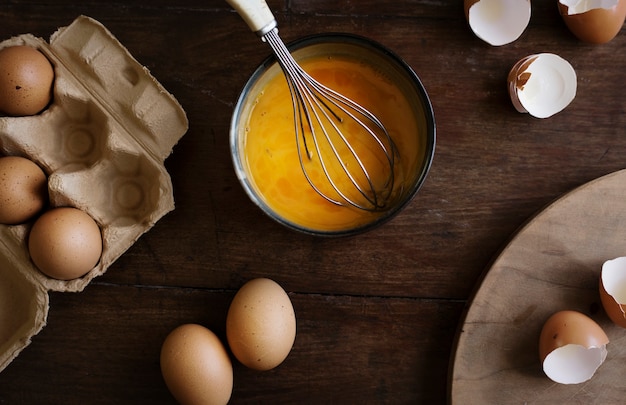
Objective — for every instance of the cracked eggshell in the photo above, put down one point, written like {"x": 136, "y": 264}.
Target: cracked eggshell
{"x": 542, "y": 84}
{"x": 498, "y": 22}
{"x": 593, "y": 21}
{"x": 613, "y": 290}
{"x": 571, "y": 347}
{"x": 517, "y": 79}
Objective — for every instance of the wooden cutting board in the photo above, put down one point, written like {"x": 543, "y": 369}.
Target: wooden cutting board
{"x": 553, "y": 263}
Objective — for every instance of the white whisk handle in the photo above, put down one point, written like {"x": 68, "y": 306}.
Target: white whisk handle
{"x": 256, "y": 14}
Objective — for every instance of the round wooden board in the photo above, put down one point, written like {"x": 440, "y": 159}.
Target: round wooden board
{"x": 553, "y": 263}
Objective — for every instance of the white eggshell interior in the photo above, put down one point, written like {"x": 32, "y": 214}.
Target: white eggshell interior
{"x": 573, "y": 364}
{"x": 614, "y": 278}
{"x": 550, "y": 88}
{"x": 499, "y": 22}
{"x": 582, "y": 6}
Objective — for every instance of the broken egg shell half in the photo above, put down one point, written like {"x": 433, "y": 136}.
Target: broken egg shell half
{"x": 571, "y": 347}
{"x": 613, "y": 290}
{"x": 593, "y": 21}
{"x": 542, "y": 84}
{"x": 498, "y": 22}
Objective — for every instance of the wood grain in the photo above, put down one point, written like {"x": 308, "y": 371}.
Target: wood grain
{"x": 377, "y": 313}
{"x": 552, "y": 264}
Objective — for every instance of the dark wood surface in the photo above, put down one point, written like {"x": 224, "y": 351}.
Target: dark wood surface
{"x": 552, "y": 264}
{"x": 377, "y": 313}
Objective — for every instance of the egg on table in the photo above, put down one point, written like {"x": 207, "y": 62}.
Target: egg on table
{"x": 261, "y": 324}
{"x": 196, "y": 367}
{"x": 592, "y": 21}
{"x": 26, "y": 78}
{"x": 572, "y": 347}
{"x": 23, "y": 189}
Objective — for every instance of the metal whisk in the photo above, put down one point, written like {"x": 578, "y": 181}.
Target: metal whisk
{"x": 345, "y": 152}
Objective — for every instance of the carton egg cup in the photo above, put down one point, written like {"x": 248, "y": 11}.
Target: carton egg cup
{"x": 102, "y": 142}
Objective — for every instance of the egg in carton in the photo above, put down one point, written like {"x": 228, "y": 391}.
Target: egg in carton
{"x": 102, "y": 143}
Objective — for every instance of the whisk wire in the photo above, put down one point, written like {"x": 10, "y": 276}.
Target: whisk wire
{"x": 311, "y": 101}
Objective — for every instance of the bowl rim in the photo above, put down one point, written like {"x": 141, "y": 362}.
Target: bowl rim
{"x": 394, "y": 59}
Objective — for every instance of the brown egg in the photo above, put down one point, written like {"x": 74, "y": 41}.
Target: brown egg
{"x": 26, "y": 78}
{"x": 196, "y": 367}
{"x": 593, "y": 22}
{"x": 65, "y": 243}
{"x": 571, "y": 347}
{"x": 23, "y": 189}
{"x": 613, "y": 290}
{"x": 261, "y": 324}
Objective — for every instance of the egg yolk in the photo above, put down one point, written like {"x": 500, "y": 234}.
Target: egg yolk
{"x": 272, "y": 157}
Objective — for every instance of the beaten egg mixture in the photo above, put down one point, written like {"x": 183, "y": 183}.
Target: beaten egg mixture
{"x": 272, "y": 156}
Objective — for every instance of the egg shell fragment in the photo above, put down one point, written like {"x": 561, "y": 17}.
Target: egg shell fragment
{"x": 261, "y": 324}
{"x": 196, "y": 367}
{"x": 498, "y": 22}
{"x": 571, "y": 347}
{"x": 542, "y": 84}
{"x": 613, "y": 290}
{"x": 593, "y": 21}
{"x": 517, "y": 79}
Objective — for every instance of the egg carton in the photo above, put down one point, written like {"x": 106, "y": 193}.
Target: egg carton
{"x": 102, "y": 142}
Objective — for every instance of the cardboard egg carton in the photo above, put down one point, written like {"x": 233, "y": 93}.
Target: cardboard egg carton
{"x": 102, "y": 142}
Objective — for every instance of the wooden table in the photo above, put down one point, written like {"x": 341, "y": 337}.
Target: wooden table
{"x": 377, "y": 313}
